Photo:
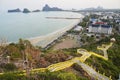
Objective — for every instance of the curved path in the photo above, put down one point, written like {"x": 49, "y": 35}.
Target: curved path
{"x": 80, "y": 61}
{"x": 104, "y": 48}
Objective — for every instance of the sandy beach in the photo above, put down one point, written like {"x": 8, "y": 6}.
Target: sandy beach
{"x": 43, "y": 41}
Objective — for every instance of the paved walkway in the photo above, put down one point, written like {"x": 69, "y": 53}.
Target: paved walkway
{"x": 80, "y": 61}
{"x": 104, "y": 48}
{"x": 92, "y": 72}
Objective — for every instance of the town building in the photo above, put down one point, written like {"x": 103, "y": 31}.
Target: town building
{"x": 93, "y": 20}
{"x": 100, "y": 27}
{"x": 117, "y": 21}
{"x": 78, "y": 28}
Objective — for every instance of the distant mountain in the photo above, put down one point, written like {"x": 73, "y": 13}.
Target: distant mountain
{"x": 89, "y": 9}
{"x": 14, "y": 10}
{"x": 36, "y": 10}
{"x": 48, "y": 8}
{"x": 26, "y": 10}
{"x": 98, "y": 8}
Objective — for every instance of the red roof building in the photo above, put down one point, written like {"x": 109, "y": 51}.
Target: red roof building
{"x": 100, "y": 23}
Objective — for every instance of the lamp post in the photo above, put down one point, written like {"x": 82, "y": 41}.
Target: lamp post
{"x": 8, "y": 59}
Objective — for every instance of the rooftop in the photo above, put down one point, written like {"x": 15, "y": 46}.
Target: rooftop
{"x": 95, "y": 25}
{"x": 98, "y": 25}
{"x": 105, "y": 26}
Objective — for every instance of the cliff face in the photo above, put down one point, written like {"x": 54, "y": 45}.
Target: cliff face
{"x": 15, "y": 10}
{"x": 47, "y": 8}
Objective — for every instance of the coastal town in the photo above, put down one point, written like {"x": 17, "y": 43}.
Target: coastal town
{"x": 77, "y": 50}
{"x": 95, "y": 25}
{"x": 59, "y": 40}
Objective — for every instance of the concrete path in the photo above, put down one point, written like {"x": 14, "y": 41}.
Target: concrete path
{"x": 104, "y": 48}
{"x": 79, "y": 60}
{"x": 92, "y": 72}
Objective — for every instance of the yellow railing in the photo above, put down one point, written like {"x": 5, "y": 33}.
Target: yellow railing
{"x": 62, "y": 65}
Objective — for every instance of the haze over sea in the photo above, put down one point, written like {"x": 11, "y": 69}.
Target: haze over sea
{"x": 19, "y": 25}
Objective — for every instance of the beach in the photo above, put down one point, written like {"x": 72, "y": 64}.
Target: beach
{"x": 44, "y": 41}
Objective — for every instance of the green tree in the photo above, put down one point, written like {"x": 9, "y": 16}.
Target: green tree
{"x": 10, "y": 67}
{"x": 67, "y": 76}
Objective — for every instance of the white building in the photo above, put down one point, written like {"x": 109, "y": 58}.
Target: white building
{"x": 78, "y": 28}
{"x": 104, "y": 17}
{"x": 117, "y": 21}
{"x": 93, "y": 20}
{"x": 97, "y": 28}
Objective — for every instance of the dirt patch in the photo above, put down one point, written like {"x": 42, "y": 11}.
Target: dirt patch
{"x": 66, "y": 43}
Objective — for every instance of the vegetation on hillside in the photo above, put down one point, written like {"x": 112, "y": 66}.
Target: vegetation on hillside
{"x": 60, "y": 75}
{"x": 42, "y": 58}
{"x": 110, "y": 67}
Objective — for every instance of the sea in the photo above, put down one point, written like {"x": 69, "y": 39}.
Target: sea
{"x": 14, "y": 26}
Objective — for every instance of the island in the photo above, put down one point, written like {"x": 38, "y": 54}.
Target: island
{"x": 14, "y": 10}
{"x": 26, "y": 10}
{"x": 48, "y": 8}
{"x": 36, "y": 10}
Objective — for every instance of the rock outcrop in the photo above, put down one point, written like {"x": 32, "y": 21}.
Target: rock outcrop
{"x": 26, "y": 10}
{"x": 48, "y": 8}
{"x": 14, "y": 10}
{"x": 36, "y": 10}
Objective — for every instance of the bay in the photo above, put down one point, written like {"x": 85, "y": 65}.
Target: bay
{"x": 19, "y": 25}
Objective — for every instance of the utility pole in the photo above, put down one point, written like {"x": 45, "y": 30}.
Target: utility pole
{"x": 27, "y": 68}
{"x": 26, "y": 62}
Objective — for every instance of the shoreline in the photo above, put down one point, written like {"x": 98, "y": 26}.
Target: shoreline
{"x": 47, "y": 40}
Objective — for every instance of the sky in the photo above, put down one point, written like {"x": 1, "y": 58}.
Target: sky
{"x": 64, "y": 4}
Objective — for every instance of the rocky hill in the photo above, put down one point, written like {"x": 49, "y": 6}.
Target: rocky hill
{"x": 26, "y": 10}
{"x": 48, "y": 8}
{"x": 15, "y": 10}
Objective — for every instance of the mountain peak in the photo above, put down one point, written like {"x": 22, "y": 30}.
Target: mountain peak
{"x": 48, "y": 8}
